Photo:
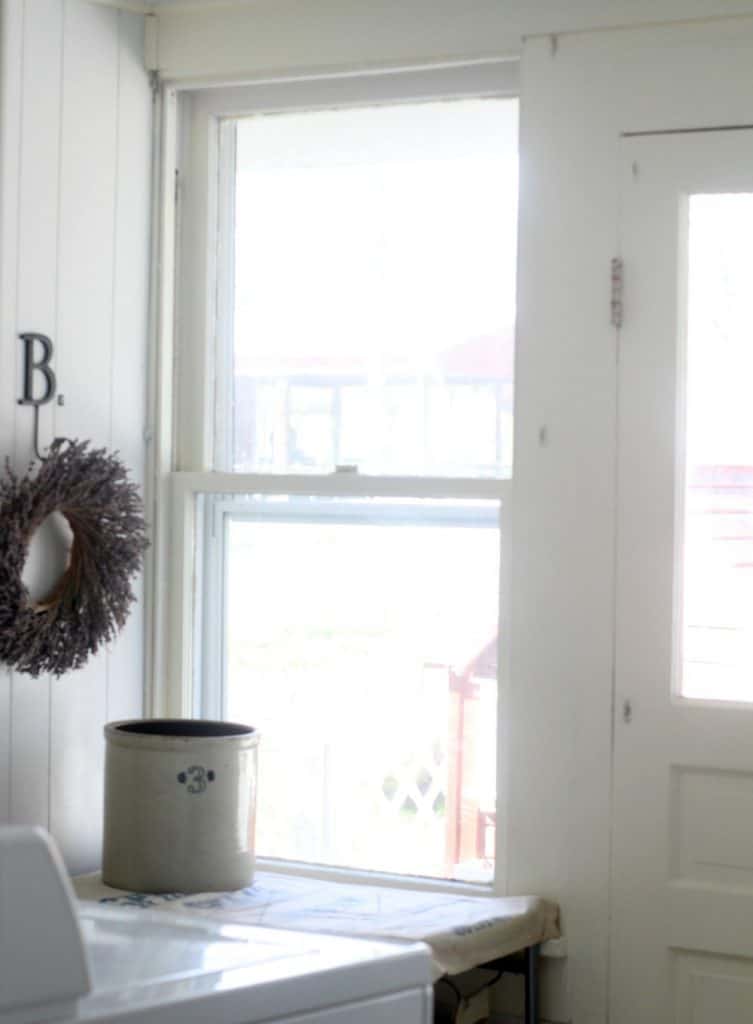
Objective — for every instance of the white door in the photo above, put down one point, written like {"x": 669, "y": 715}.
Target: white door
{"x": 682, "y": 904}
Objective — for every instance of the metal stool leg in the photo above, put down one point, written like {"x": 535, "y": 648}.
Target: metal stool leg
{"x": 532, "y": 985}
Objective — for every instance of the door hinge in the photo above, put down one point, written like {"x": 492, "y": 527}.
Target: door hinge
{"x": 627, "y": 712}
{"x": 154, "y": 84}
{"x": 616, "y": 292}
{"x": 177, "y": 186}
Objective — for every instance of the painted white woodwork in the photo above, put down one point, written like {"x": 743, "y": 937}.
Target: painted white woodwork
{"x": 578, "y": 93}
{"x": 195, "y": 309}
{"x": 173, "y": 661}
{"x": 129, "y": 329}
{"x": 558, "y": 755}
{"x": 683, "y": 774}
{"x": 175, "y": 694}
{"x": 75, "y": 201}
{"x": 36, "y": 296}
{"x": 199, "y": 308}
{"x": 203, "y": 40}
{"x": 577, "y": 97}
{"x": 29, "y": 740}
{"x": 712, "y": 989}
{"x": 10, "y": 163}
{"x": 160, "y": 381}
{"x": 575, "y": 102}
{"x": 87, "y": 214}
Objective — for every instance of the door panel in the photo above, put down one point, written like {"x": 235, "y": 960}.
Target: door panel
{"x": 710, "y": 990}
{"x": 682, "y": 921}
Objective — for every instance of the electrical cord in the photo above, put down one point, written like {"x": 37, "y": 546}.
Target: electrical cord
{"x": 465, "y": 999}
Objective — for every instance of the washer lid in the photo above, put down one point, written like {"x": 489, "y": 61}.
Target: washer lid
{"x": 43, "y": 966}
{"x": 146, "y": 960}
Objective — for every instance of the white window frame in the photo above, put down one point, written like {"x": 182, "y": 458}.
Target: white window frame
{"x": 192, "y": 338}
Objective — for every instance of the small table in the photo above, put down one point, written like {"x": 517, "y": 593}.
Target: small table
{"x": 501, "y": 934}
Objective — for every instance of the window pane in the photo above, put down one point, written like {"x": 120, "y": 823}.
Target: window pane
{"x": 362, "y": 642}
{"x": 718, "y": 562}
{"x": 375, "y": 289}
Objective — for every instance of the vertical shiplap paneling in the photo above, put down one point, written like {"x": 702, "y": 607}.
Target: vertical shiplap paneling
{"x": 11, "y": 62}
{"x": 88, "y": 177}
{"x": 129, "y": 330}
{"x": 36, "y": 311}
{"x": 75, "y": 134}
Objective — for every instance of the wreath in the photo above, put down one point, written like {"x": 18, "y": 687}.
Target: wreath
{"x": 91, "y": 601}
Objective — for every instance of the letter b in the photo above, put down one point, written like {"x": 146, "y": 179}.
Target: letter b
{"x": 42, "y": 365}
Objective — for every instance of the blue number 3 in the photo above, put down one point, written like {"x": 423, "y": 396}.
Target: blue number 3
{"x": 198, "y": 776}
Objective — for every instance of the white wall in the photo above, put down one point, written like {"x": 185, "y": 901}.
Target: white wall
{"x": 575, "y": 102}
{"x": 224, "y": 40}
{"x": 74, "y": 233}
{"x": 576, "y": 99}
{"x": 577, "y": 96}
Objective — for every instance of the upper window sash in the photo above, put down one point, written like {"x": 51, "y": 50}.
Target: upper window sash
{"x": 174, "y": 692}
{"x": 206, "y": 159}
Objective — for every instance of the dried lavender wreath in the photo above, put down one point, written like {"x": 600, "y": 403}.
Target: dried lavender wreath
{"x": 92, "y": 599}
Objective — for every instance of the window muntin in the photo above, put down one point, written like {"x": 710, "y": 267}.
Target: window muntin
{"x": 374, "y": 290}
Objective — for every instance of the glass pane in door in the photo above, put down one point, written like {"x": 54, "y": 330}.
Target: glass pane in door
{"x": 717, "y": 569}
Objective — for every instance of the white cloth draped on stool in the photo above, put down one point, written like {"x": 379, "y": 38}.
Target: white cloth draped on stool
{"x": 463, "y": 931}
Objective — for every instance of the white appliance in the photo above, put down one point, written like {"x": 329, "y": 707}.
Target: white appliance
{"x": 69, "y": 963}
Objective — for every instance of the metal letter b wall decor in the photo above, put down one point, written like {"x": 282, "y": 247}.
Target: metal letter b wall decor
{"x": 32, "y": 339}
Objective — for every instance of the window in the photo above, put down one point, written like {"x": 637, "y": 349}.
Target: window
{"x": 372, "y": 252}
{"x": 345, "y": 436}
{"x": 717, "y": 570}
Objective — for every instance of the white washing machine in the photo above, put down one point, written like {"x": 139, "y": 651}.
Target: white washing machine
{"x": 90, "y": 963}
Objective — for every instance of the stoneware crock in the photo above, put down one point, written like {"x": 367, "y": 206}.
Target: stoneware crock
{"x": 180, "y": 805}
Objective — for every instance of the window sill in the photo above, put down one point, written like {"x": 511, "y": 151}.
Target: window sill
{"x": 410, "y": 882}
